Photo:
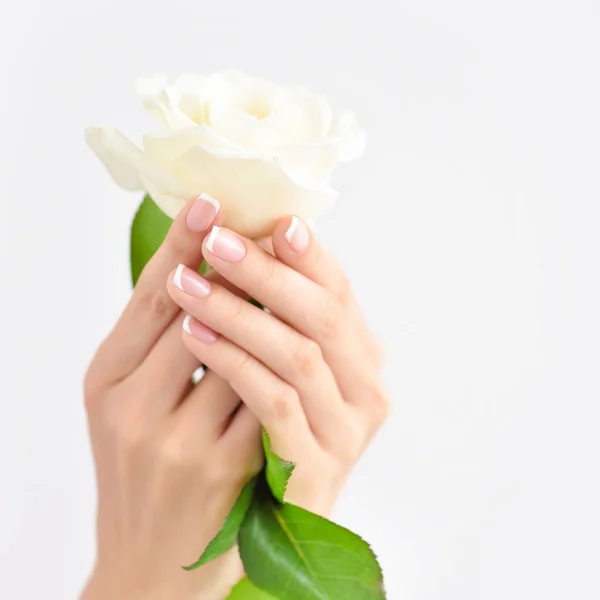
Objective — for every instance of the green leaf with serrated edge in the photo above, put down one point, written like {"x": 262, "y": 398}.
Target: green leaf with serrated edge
{"x": 148, "y": 230}
{"x": 245, "y": 590}
{"x": 227, "y": 537}
{"x": 294, "y": 554}
{"x": 277, "y": 470}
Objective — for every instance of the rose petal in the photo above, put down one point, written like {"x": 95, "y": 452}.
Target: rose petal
{"x": 164, "y": 148}
{"x": 193, "y": 97}
{"x": 239, "y": 127}
{"x": 299, "y": 116}
{"x": 254, "y": 193}
{"x": 121, "y": 157}
{"x": 169, "y": 204}
{"x": 163, "y": 101}
{"x": 307, "y": 163}
{"x": 134, "y": 170}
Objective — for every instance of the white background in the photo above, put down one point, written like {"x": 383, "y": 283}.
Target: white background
{"x": 470, "y": 230}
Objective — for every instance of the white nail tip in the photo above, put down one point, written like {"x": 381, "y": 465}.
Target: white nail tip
{"x": 290, "y": 232}
{"x": 210, "y": 200}
{"x": 214, "y": 232}
{"x": 177, "y": 277}
{"x": 186, "y": 324}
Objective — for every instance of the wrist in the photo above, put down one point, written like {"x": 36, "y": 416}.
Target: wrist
{"x": 212, "y": 581}
{"x": 102, "y": 586}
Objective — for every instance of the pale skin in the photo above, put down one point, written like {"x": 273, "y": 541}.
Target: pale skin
{"x": 171, "y": 457}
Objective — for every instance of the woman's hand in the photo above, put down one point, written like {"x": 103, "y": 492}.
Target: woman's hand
{"x": 171, "y": 457}
{"x": 307, "y": 368}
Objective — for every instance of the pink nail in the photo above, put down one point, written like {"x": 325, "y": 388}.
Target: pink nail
{"x": 198, "y": 330}
{"x": 297, "y": 235}
{"x": 190, "y": 282}
{"x": 225, "y": 245}
{"x": 203, "y": 213}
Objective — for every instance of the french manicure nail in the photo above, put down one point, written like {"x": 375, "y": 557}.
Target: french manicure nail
{"x": 203, "y": 213}
{"x": 225, "y": 245}
{"x": 190, "y": 282}
{"x": 297, "y": 235}
{"x": 198, "y": 330}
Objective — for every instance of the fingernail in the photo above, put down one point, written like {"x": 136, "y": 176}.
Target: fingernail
{"x": 190, "y": 282}
{"x": 297, "y": 235}
{"x": 225, "y": 245}
{"x": 203, "y": 213}
{"x": 198, "y": 330}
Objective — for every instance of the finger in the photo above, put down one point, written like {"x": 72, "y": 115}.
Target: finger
{"x": 294, "y": 245}
{"x": 150, "y": 309}
{"x": 290, "y": 355}
{"x": 169, "y": 369}
{"x": 243, "y": 438}
{"x": 303, "y": 304}
{"x": 263, "y": 277}
{"x": 208, "y": 408}
{"x": 274, "y": 402}
{"x": 170, "y": 365}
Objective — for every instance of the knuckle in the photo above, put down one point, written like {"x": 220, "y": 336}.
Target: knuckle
{"x": 379, "y": 403}
{"x": 130, "y": 438}
{"x": 237, "y": 313}
{"x": 378, "y": 354}
{"x": 242, "y": 365}
{"x": 351, "y": 442}
{"x": 354, "y": 442}
{"x": 122, "y": 420}
{"x": 126, "y": 432}
{"x": 92, "y": 389}
{"x": 349, "y": 452}
{"x": 173, "y": 453}
{"x": 284, "y": 403}
{"x": 178, "y": 244}
{"x": 156, "y": 302}
{"x": 307, "y": 357}
{"x": 267, "y": 270}
{"x": 331, "y": 317}
{"x": 344, "y": 288}
{"x": 95, "y": 380}
{"x": 218, "y": 474}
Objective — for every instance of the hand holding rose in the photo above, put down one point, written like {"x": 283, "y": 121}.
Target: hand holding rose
{"x": 308, "y": 368}
{"x": 172, "y": 457}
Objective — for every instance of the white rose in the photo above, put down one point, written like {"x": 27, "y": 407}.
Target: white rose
{"x": 262, "y": 150}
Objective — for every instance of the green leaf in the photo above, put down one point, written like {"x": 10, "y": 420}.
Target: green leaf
{"x": 277, "y": 470}
{"x": 297, "y": 555}
{"x": 148, "y": 230}
{"x": 244, "y": 590}
{"x": 227, "y": 537}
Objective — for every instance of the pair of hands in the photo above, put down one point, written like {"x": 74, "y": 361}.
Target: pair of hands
{"x": 172, "y": 456}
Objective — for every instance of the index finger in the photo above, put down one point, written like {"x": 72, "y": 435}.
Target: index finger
{"x": 150, "y": 309}
{"x": 294, "y": 298}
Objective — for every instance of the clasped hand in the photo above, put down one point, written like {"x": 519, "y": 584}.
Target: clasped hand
{"x": 172, "y": 456}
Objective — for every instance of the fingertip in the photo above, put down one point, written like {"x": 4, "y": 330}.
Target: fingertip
{"x": 199, "y": 331}
{"x": 177, "y": 276}
{"x": 202, "y": 213}
{"x": 186, "y": 324}
{"x": 296, "y": 233}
